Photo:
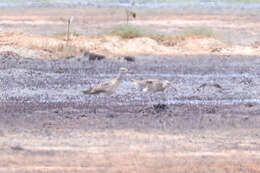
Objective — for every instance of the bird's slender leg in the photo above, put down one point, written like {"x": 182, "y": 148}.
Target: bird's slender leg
{"x": 166, "y": 99}
{"x": 149, "y": 102}
{"x": 162, "y": 97}
{"x": 91, "y": 107}
{"x": 106, "y": 105}
{"x": 158, "y": 97}
{"x": 151, "y": 99}
{"x": 95, "y": 106}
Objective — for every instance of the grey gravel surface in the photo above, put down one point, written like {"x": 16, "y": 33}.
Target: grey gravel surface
{"x": 33, "y": 91}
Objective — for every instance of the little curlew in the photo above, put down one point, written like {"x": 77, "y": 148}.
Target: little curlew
{"x": 214, "y": 85}
{"x": 152, "y": 85}
{"x": 109, "y": 87}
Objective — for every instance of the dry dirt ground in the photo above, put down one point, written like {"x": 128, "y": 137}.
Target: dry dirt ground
{"x": 210, "y": 124}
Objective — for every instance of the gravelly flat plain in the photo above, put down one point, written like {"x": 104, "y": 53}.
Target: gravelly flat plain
{"x": 46, "y": 121}
{"x": 55, "y": 87}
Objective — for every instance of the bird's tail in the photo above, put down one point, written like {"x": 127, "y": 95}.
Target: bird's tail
{"x": 134, "y": 80}
{"x": 93, "y": 91}
{"x": 89, "y": 91}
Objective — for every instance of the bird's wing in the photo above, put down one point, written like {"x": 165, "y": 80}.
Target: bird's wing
{"x": 203, "y": 85}
{"x": 149, "y": 82}
{"x": 217, "y": 85}
{"x": 152, "y": 81}
{"x": 93, "y": 91}
{"x": 106, "y": 85}
{"x": 101, "y": 88}
{"x": 156, "y": 85}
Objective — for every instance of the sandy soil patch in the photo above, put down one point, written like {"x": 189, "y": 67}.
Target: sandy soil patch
{"x": 114, "y": 46}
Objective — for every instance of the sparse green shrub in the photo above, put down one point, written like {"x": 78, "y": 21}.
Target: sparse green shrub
{"x": 63, "y": 35}
{"x": 199, "y": 32}
{"x": 128, "y": 32}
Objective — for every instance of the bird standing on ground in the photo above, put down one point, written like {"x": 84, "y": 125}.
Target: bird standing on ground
{"x": 214, "y": 85}
{"x": 151, "y": 85}
{"x": 108, "y": 87}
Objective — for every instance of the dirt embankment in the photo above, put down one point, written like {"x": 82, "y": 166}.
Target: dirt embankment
{"x": 115, "y": 46}
{"x": 42, "y": 34}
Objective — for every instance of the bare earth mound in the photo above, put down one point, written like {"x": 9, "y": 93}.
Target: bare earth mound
{"x": 112, "y": 46}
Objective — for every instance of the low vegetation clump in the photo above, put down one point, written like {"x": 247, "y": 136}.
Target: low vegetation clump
{"x": 199, "y": 32}
{"x": 63, "y": 35}
{"x": 130, "y": 32}
{"x": 59, "y": 49}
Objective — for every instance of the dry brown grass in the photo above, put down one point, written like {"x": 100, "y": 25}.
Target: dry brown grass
{"x": 130, "y": 32}
{"x": 51, "y": 47}
{"x": 60, "y": 50}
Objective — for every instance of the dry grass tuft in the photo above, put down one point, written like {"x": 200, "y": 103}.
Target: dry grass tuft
{"x": 59, "y": 49}
{"x": 130, "y": 32}
{"x": 63, "y": 35}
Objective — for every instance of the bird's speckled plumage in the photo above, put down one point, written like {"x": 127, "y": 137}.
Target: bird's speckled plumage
{"x": 151, "y": 85}
{"x": 108, "y": 87}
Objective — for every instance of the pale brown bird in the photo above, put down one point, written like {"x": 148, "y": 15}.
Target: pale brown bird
{"x": 109, "y": 87}
{"x": 216, "y": 85}
{"x": 152, "y": 85}
{"x": 212, "y": 85}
